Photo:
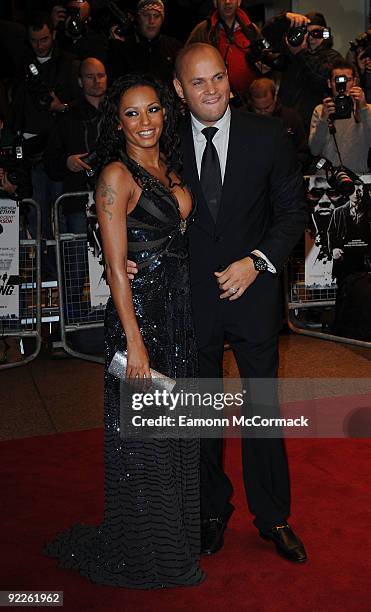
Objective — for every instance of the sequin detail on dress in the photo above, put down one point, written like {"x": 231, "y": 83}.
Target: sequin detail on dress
{"x": 150, "y": 535}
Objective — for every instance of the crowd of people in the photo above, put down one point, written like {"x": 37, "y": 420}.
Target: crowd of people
{"x": 60, "y": 63}
{"x": 52, "y": 92}
{"x": 199, "y": 206}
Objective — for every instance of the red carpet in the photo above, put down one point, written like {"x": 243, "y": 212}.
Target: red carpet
{"x": 50, "y": 482}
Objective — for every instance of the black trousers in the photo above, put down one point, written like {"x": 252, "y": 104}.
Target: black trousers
{"x": 264, "y": 461}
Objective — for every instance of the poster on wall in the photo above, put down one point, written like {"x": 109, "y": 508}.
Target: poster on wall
{"x": 338, "y": 242}
{"x": 9, "y": 260}
{"x": 99, "y": 290}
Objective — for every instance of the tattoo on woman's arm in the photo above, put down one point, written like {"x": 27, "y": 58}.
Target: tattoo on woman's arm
{"x": 107, "y": 194}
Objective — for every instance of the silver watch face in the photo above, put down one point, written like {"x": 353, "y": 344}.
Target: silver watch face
{"x": 260, "y": 264}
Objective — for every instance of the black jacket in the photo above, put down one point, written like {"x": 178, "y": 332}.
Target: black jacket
{"x": 262, "y": 207}
{"x": 90, "y": 44}
{"x": 137, "y": 54}
{"x": 59, "y": 76}
{"x": 296, "y": 132}
{"x": 75, "y": 132}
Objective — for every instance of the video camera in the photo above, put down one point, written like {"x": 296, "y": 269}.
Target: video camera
{"x": 260, "y": 52}
{"x": 362, "y": 43}
{"x": 295, "y": 36}
{"x": 38, "y": 89}
{"x": 343, "y": 102}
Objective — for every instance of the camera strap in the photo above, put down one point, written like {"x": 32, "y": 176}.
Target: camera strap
{"x": 248, "y": 30}
{"x": 332, "y": 130}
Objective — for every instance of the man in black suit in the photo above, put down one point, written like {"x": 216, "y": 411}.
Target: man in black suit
{"x": 251, "y": 212}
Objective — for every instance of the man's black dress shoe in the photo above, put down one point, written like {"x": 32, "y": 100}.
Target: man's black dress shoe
{"x": 212, "y": 533}
{"x": 287, "y": 543}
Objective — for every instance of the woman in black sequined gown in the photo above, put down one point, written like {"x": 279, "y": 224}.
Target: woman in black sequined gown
{"x": 150, "y": 534}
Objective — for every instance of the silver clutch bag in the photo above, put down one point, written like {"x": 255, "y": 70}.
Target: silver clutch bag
{"x": 118, "y": 366}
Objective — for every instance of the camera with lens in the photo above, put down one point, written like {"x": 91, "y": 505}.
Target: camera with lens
{"x": 295, "y": 36}
{"x": 341, "y": 179}
{"x": 13, "y": 162}
{"x": 38, "y": 89}
{"x": 12, "y": 166}
{"x": 74, "y": 26}
{"x": 343, "y": 102}
{"x": 260, "y": 52}
{"x": 92, "y": 160}
{"x": 122, "y": 21}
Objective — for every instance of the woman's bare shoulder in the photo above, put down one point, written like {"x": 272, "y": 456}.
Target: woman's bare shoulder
{"x": 115, "y": 170}
{"x": 116, "y": 178}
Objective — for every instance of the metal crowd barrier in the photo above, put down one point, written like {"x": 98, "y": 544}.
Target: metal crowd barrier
{"x": 302, "y": 299}
{"x": 28, "y": 324}
{"x": 75, "y": 310}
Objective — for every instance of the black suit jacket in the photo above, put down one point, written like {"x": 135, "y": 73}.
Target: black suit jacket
{"x": 262, "y": 207}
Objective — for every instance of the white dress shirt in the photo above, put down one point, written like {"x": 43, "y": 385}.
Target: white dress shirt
{"x": 221, "y": 141}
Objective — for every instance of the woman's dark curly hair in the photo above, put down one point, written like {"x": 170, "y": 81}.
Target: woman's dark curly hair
{"x": 111, "y": 144}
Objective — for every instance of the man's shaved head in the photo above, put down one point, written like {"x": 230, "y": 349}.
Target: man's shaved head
{"x": 192, "y": 51}
{"x": 201, "y": 81}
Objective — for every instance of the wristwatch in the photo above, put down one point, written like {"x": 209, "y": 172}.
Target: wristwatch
{"x": 260, "y": 264}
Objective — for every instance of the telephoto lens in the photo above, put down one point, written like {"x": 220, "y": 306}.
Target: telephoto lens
{"x": 337, "y": 178}
{"x": 342, "y": 182}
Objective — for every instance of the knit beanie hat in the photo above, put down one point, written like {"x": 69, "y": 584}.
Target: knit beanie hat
{"x": 151, "y": 5}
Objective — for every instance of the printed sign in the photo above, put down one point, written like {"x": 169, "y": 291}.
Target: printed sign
{"x": 9, "y": 260}
{"x": 339, "y": 239}
{"x": 99, "y": 290}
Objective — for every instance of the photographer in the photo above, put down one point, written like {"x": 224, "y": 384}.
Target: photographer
{"x": 74, "y": 32}
{"x": 43, "y": 91}
{"x": 147, "y": 49}
{"x": 263, "y": 101}
{"x": 74, "y": 138}
{"x": 230, "y": 30}
{"x": 67, "y": 159}
{"x": 15, "y": 174}
{"x": 341, "y": 126}
{"x": 359, "y": 55}
{"x": 307, "y": 44}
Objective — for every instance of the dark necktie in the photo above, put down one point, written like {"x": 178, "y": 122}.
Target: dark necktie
{"x": 211, "y": 176}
